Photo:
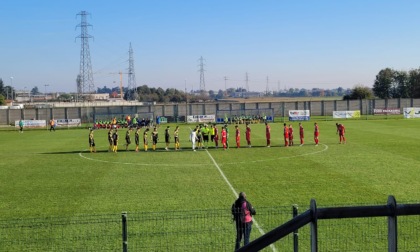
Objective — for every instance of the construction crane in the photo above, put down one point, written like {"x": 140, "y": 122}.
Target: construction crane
{"x": 121, "y": 83}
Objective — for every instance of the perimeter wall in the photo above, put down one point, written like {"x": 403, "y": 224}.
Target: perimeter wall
{"x": 177, "y": 112}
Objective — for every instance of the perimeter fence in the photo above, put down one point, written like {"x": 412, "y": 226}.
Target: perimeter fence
{"x": 200, "y": 230}
{"x": 178, "y": 112}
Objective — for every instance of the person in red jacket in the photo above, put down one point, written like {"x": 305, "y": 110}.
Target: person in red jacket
{"x": 237, "y": 136}
{"x": 290, "y": 135}
{"x": 340, "y": 131}
{"x": 248, "y": 135}
{"x": 286, "y": 135}
{"x": 224, "y": 138}
{"x": 242, "y": 212}
{"x": 316, "y": 134}
{"x": 301, "y": 134}
{"x": 268, "y": 134}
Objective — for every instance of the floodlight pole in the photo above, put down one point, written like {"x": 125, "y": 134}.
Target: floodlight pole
{"x": 45, "y": 92}
{"x": 11, "y": 87}
{"x": 186, "y": 102}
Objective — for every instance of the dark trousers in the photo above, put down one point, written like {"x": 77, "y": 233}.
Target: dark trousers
{"x": 242, "y": 229}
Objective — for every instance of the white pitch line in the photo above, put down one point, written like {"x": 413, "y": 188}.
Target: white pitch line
{"x": 137, "y": 164}
{"x": 183, "y": 165}
{"x": 236, "y": 194}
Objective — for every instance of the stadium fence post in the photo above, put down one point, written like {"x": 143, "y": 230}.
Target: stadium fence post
{"x": 392, "y": 225}
{"x": 282, "y": 112}
{"x": 296, "y": 232}
{"x": 124, "y": 231}
{"x": 314, "y": 227}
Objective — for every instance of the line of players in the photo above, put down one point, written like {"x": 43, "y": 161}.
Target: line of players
{"x": 113, "y": 138}
{"x": 199, "y": 137}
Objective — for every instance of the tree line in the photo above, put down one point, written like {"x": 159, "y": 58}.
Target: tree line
{"x": 151, "y": 94}
{"x": 390, "y": 83}
{"x": 6, "y": 92}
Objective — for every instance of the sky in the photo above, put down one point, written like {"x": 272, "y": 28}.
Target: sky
{"x": 279, "y": 44}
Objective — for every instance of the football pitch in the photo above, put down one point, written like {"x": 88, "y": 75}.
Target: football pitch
{"x": 47, "y": 173}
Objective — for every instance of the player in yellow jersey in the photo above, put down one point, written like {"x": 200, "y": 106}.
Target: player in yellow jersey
{"x": 111, "y": 142}
{"x": 91, "y": 142}
{"x": 167, "y": 138}
{"x": 137, "y": 138}
{"x": 115, "y": 141}
{"x": 155, "y": 137}
{"x": 145, "y": 139}
{"x": 205, "y": 132}
{"x": 127, "y": 138}
{"x": 176, "y": 138}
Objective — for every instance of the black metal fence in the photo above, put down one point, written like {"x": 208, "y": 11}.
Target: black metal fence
{"x": 363, "y": 228}
{"x": 204, "y": 230}
{"x": 200, "y": 230}
{"x": 79, "y": 233}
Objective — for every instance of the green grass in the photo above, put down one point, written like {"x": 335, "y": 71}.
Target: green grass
{"x": 52, "y": 174}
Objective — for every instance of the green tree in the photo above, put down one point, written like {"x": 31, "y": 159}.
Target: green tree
{"x": 230, "y": 91}
{"x": 340, "y": 91}
{"x": 359, "y": 92}
{"x": 161, "y": 94}
{"x": 143, "y": 90}
{"x": 35, "y": 91}
{"x": 414, "y": 83}
{"x": 400, "y": 87}
{"x": 2, "y": 90}
{"x": 317, "y": 92}
{"x": 103, "y": 90}
{"x": 176, "y": 97}
{"x": 9, "y": 92}
{"x": 220, "y": 94}
{"x": 2, "y": 100}
{"x": 65, "y": 97}
{"x": 384, "y": 83}
{"x": 212, "y": 94}
{"x": 303, "y": 92}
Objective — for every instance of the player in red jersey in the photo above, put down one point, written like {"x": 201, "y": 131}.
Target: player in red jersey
{"x": 224, "y": 138}
{"x": 286, "y": 135}
{"x": 301, "y": 134}
{"x": 316, "y": 134}
{"x": 340, "y": 131}
{"x": 238, "y": 136}
{"x": 248, "y": 135}
{"x": 290, "y": 135}
{"x": 268, "y": 134}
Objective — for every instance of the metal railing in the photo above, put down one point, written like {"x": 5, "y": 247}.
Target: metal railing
{"x": 350, "y": 228}
{"x": 391, "y": 210}
{"x": 192, "y": 230}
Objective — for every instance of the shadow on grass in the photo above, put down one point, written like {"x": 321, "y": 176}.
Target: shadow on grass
{"x": 161, "y": 150}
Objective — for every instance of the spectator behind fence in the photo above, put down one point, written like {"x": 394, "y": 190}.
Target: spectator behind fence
{"x": 242, "y": 212}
